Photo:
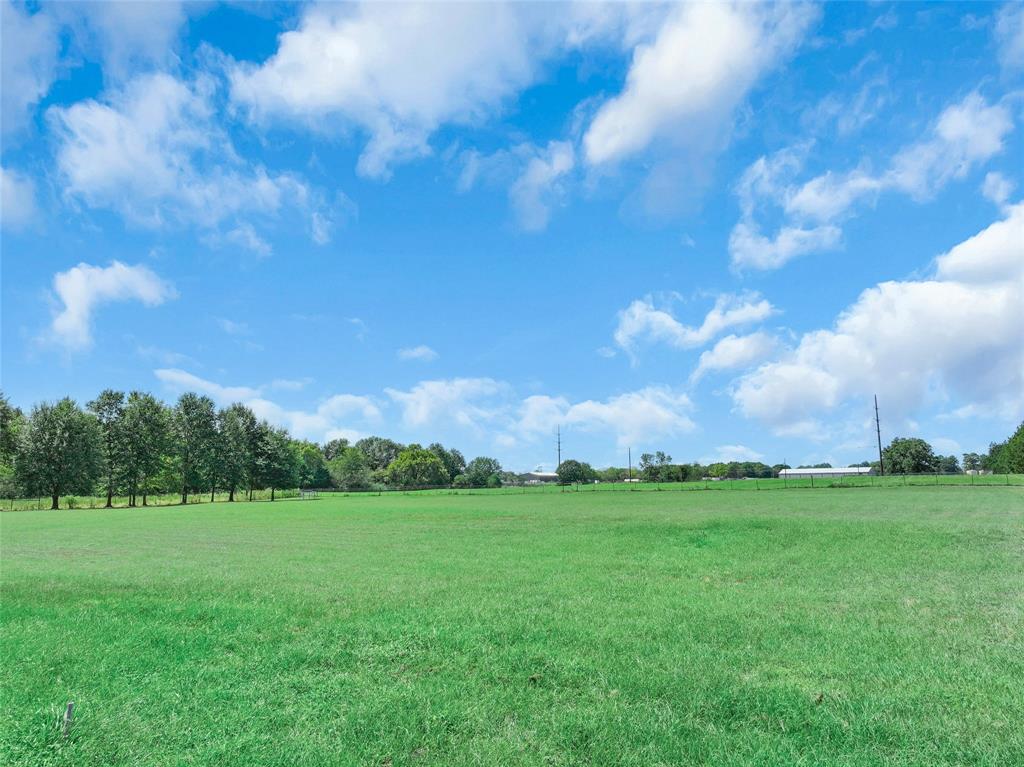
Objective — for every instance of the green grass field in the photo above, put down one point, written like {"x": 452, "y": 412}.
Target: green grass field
{"x": 866, "y": 626}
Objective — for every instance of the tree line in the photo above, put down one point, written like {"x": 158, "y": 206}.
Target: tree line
{"x": 904, "y": 455}
{"x": 136, "y": 446}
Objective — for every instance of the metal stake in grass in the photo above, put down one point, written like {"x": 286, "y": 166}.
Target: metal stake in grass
{"x": 69, "y": 714}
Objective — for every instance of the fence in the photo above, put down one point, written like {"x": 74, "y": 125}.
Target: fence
{"x": 738, "y": 485}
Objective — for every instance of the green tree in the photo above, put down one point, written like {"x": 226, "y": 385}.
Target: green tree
{"x": 379, "y": 452}
{"x": 572, "y": 472}
{"x": 654, "y": 467}
{"x": 1006, "y": 457}
{"x": 281, "y": 469}
{"x": 108, "y": 408}
{"x": 333, "y": 448}
{"x": 416, "y": 467}
{"x": 972, "y": 462}
{"x": 479, "y": 470}
{"x": 193, "y": 431}
{"x": 948, "y": 464}
{"x": 312, "y": 466}
{"x": 909, "y": 455}
{"x": 11, "y": 421}
{"x": 235, "y": 426}
{"x": 454, "y": 463}
{"x": 349, "y": 470}
{"x": 60, "y": 451}
{"x": 146, "y": 425}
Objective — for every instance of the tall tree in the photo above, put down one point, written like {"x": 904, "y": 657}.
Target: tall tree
{"x": 312, "y": 466}
{"x": 60, "y": 451}
{"x": 480, "y": 470}
{"x": 349, "y": 470}
{"x": 108, "y": 408}
{"x": 909, "y": 455}
{"x": 194, "y": 431}
{"x": 146, "y": 423}
{"x": 453, "y": 461}
{"x": 379, "y": 452}
{"x": 235, "y": 426}
{"x": 416, "y": 467}
{"x": 572, "y": 472}
{"x": 333, "y": 448}
{"x": 281, "y": 469}
{"x": 11, "y": 421}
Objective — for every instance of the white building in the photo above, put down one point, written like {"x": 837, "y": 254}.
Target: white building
{"x": 833, "y": 473}
{"x": 538, "y": 477}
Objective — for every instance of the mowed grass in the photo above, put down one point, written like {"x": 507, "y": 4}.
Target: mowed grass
{"x": 826, "y": 627}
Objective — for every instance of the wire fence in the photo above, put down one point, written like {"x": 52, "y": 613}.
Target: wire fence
{"x": 711, "y": 485}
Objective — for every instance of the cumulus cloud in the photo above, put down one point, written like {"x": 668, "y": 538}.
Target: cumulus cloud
{"x": 537, "y": 189}
{"x": 958, "y": 333}
{"x": 1009, "y": 32}
{"x": 17, "y": 199}
{"x": 29, "y": 62}
{"x": 997, "y": 187}
{"x": 966, "y": 134}
{"x": 153, "y": 151}
{"x": 642, "y": 321}
{"x": 421, "y": 353}
{"x": 704, "y": 60}
{"x": 84, "y": 288}
{"x": 733, "y": 353}
{"x": 729, "y": 453}
{"x": 633, "y": 418}
{"x": 396, "y": 72}
{"x": 468, "y": 402}
{"x": 333, "y": 417}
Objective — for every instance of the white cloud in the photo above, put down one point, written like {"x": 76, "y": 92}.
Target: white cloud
{"x": 28, "y": 60}
{"x": 705, "y": 59}
{"x": 1009, "y": 32}
{"x": 997, "y": 187}
{"x": 154, "y": 152}
{"x": 332, "y": 417}
{"x": 749, "y": 248}
{"x": 84, "y": 288}
{"x": 397, "y": 72}
{"x": 17, "y": 199}
{"x": 537, "y": 189}
{"x": 729, "y": 453}
{"x": 184, "y": 381}
{"x": 966, "y": 134}
{"x": 231, "y": 327}
{"x": 128, "y": 35}
{"x": 642, "y": 321}
{"x": 734, "y": 352}
{"x": 422, "y": 353}
{"x": 469, "y": 402}
{"x": 633, "y": 418}
{"x": 958, "y": 334}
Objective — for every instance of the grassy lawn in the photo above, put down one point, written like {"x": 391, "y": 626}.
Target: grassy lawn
{"x": 822, "y": 627}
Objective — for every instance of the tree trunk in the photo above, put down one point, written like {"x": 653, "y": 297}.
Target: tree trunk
{"x": 271, "y": 492}
{"x": 110, "y": 496}
{"x": 54, "y": 498}
{"x": 143, "y": 497}
{"x": 212, "y": 491}
{"x": 231, "y": 495}
{"x": 184, "y": 495}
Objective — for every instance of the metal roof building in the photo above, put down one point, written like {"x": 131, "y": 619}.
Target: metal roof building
{"x": 848, "y": 471}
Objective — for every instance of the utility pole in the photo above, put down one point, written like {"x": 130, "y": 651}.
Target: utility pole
{"x": 558, "y": 433}
{"x": 629, "y": 452}
{"x": 878, "y": 432}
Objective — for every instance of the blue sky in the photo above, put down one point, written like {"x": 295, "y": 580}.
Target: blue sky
{"x": 715, "y": 230}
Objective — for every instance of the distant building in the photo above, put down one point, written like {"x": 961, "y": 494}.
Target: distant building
{"x": 538, "y": 477}
{"x": 839, "y": 471}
